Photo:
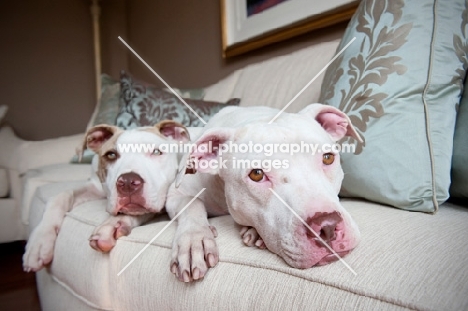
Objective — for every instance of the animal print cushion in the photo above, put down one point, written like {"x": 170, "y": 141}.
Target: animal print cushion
{"x": 144, "y": 105}
{"x": 400, "y": 82}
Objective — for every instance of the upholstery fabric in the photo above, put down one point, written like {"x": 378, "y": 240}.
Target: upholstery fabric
{"x": 4, "y": 184}
{"x": 46, "y": 152}
{"x": 10, "y": 144}
{"x": 400, "y": 83}
{"x": 146, "y": 105}
{"x": 275, "y": 82}
{"x": 459, "y": 185}
{"x": 11, "y": 228}
{"x": 57, "y": 173}
{"x": 392, "y": 240}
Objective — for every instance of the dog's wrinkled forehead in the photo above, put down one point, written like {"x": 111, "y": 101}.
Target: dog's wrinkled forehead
{"x": 288, "y": 129}
{"x": 141, "y": 136}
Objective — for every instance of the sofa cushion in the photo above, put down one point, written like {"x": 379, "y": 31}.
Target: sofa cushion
{"x": 11, "y": 228}
{"x": 57, "y": 173}
{"x": 405, "y": 261}
{"x": 10, "y": 144}
{"x": 76, "y": 266}
{"x": 146, "y": 105}
{"x": 275, "y": 82}
{"x": 400, "y": 82}
{"x": 4, "y": 184}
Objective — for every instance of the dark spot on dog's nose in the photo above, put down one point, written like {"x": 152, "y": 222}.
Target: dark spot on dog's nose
{"x": 129, "y": 183}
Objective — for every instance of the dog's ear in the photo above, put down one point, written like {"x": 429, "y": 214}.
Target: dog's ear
{"x": 205, "y": 155}
{"x": 173, "y": 130}
{"x": 334, "y": 122}
{"x": 96, "y": 136}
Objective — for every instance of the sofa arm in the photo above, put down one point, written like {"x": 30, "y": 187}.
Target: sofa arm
{"x": 22, "y": 155}
{"x": 34, "y": 154}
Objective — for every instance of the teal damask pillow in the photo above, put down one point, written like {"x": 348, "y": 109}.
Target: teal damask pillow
{"x": 143, "y": 104}
{"x": 400, "y": 82}
{"x": 459, "y": 186}
{"x": 108, "y": 105}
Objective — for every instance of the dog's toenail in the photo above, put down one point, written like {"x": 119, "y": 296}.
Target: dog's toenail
{"x": 186, "y": 277}
{"x": 196, "y": 274}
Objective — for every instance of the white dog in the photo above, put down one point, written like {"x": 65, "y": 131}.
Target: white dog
{"x": 307, "y": 182}
{"x": 135, "y": 182}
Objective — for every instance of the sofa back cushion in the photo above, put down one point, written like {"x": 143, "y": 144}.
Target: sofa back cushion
{"x": 275, "y": 82}
{"x": 4, "y": 185}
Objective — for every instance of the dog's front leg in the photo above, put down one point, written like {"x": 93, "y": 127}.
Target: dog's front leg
{"x": 194, "y": 248}
{"x": 105, "y": 235}
{"x": 40, "y": 247}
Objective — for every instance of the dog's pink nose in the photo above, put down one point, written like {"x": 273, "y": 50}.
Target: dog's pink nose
{"x": 129, "y": 183}
{"x": 324, "y": 224}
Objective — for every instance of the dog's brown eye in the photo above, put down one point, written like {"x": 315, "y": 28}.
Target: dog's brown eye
{"x": 328, "y": 158}
{"x": 156, "y": 152}
{"x": 111, "y": 155}
{"x": 256, "y": 175}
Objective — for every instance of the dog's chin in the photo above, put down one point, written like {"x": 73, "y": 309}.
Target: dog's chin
{"x": 134, "y": 209}
{"x": 332, "y": 258}
{"x": 306, "y": 263}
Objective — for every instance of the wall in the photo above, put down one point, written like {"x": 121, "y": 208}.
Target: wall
{"x": 46, "y": 58}
{"x": 181, "y": 40}
{"x": 46, "y": 65}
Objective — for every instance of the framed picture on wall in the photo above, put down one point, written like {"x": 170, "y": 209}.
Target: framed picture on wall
{"x": 251, "y": 24}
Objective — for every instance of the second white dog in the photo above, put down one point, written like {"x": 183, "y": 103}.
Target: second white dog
{"x": 135, "y": 182}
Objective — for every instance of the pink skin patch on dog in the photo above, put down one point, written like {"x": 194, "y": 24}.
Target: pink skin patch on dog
{"x": 132, "y": 205}
{"x": 330, "y": 228}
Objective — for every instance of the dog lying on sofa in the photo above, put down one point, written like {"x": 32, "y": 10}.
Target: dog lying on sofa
{"x": 135, "y": 183}
{"x": 315, "y": 231}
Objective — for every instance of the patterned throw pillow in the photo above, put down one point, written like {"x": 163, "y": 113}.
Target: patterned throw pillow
{"x": 400, "y": 83}
{"x": 459, "y": 186}
{"x": 108, "y": 107}
{"x": 146, "y": 105}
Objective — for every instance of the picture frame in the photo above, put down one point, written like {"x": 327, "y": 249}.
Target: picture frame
{"x": 277, "y": 20}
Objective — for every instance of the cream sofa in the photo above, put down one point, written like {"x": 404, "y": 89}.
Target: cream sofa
{"x": 406, "y": 260}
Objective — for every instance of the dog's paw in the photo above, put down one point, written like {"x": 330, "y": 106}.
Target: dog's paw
{"x": 193, "y": 253}
{"x": 39, "y": 249}
{"x": 250, "y": 237}
{"x": 105, "y": 236}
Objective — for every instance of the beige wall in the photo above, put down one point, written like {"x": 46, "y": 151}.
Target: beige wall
{"x": 181, "y": 40}
{"x": 46, "y": 66}
{"x": 46, "y": 59}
